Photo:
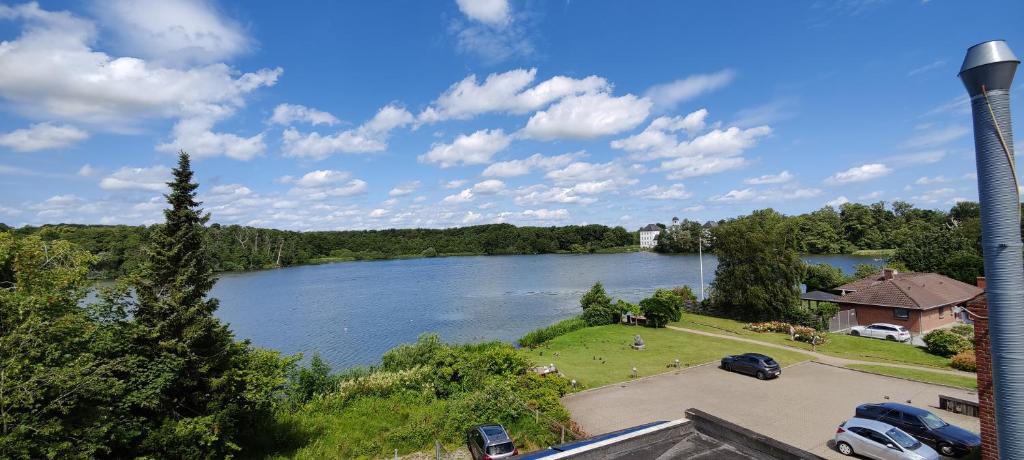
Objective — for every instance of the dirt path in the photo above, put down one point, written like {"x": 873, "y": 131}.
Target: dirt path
{"x": 827, "y": 359}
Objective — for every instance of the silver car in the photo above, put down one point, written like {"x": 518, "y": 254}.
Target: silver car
{"x": 874, "y": 439}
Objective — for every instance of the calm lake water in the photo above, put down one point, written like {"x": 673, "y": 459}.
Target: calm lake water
{"x": 353, "y": 312}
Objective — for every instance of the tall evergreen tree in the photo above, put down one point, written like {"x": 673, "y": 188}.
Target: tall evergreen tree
{"x": 193, "y": 355}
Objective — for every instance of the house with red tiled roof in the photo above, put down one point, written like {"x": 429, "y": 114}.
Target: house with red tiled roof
{"x": 918, "y": 301}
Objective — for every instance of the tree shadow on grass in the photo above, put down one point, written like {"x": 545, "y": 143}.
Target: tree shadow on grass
{"x": 277, "y": 437}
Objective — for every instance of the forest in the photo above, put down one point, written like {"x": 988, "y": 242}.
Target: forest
{"x": 118, "y": 248}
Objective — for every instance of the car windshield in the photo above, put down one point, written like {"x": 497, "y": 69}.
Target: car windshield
{"x": 903, "y": 439}
{"x": 770, "y": 362}
{"x": 902, "y": 329}
{"x": 932, "y": 421}
{"x": 498, "y": 449}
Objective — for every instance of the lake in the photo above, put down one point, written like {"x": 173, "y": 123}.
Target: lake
{"x": 352, "y": 312}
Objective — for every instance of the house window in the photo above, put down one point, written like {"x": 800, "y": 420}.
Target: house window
{"x": 942, "y": 312}
{"x": 901, "y": 313}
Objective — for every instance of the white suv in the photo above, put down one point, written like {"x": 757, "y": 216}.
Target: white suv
{"x": 882, "y": 331}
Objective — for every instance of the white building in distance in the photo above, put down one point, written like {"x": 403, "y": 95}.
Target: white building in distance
{"x": 649, "y": 236}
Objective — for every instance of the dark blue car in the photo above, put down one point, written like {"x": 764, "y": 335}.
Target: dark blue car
{"x": 948, "y": 440}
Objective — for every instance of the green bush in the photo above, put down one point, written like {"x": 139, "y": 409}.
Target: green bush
{"x": 944, "y": 342}
{"x": 597, "y": 306}
{"x": 538, "y": 337}
{"x": 966, "y": 330}
{"x": 964, "y": 361}
{"x": 661, "y": 308}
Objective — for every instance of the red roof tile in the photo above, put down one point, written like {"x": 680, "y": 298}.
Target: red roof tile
{"x": 918, "y": 291}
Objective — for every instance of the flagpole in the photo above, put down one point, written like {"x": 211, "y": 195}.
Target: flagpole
{"x": 700, "y": 255}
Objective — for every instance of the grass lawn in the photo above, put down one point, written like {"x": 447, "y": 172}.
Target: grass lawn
{"x": 597, "y": 356}
{"x": 921, "y": 376}
{"x": 840, "y": 345}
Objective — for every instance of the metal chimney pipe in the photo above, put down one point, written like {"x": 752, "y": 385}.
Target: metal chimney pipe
{"x": 987, "y": 73}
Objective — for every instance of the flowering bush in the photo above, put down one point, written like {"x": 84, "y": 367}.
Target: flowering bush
{"x": 770, "y": 326}
{"x": 944, "y": 342}
{"x": 964, "y": 361}
{"x": 809, "y": 335}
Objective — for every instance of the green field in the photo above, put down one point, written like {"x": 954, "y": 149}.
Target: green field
{"x": 839, "y": 345}
{"x": 597, "y": 356}
{"x": 875, "y": 252}
{"x": 921, "y": 376}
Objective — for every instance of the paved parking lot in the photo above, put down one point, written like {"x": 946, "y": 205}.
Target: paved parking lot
{"x": 802, "y": 408}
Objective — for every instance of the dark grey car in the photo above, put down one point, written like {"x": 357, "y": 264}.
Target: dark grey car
{"x": 486, "y": 442}
{"x": 761, "y": 366}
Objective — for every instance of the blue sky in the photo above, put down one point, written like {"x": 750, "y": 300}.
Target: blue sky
{"x": 349, "y": 115}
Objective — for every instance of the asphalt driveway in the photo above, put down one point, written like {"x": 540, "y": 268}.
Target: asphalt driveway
{"x": 802, "y": 408}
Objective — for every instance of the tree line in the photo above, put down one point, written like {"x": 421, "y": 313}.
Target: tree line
{"x": 924, "y": 240}
{"x": 120, "y": 248}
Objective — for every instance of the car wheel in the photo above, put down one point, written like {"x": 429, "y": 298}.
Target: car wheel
{"x": 855, "y": 333}
{"x": 844, "y": 448}
{"x": 761, "y": 375}
{"x": 727, "y": 367}
{"x": 890, "y": 337}
{"x": 946, "y": 449}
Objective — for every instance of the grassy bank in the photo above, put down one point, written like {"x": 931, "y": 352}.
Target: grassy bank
{"x": 602, "y": 355}
{"x": 875, "y": 252}
{"x": 919, "y": 375}
{"x": 839, "y": 345}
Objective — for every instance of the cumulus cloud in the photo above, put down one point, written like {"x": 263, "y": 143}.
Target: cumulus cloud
{"x": 178, "y": 31}
{"x": 488, "y": 187}
{"x": 286, "y": 114}
{"x": 494, "y": 12}
{"x": 587, "y": 116}
{"x": 582, "y": 171}
{"x": 87, "y": 170}
{"x": 462, "y": 197}
{"x": 195, "y": 135}
{"x": 925, "y": 180}
{"x": 672, "y": 192}
{"x": 473, "y": 149}
{"x": 534, "y": 215}
{"x": 153, "y": 178}
{"x": 859, "y": 174}
{"x": 326, "y": 183}
{"x": 42, "y": 136}
{"x": 935, "y": 196}
{"x": 779, "y": 178}
{"x": 370, "y": 137}
{"x": 453, "y": 184}
{"x": 109, "y": 92}
{"x": 668, "y": 95}
{"x": 506, "y": 92}
{"x": 536, "y": 161}
{"x": 837, "y": 202}
{"x": 710, "y": 152}
{"x": 404, "y": 189}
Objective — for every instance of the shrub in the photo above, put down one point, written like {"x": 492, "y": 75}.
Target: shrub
{"x": 944, "y": 342}
{"x": 809, "y": 335}
{"x": 964, "y": 361}
{"x": 662, "y": 307}
{"x": 538, "y": 337}
{"x": 597, "y": 306}
{"x": 770, "y": 326}
{"x": 429, "y": 252}
{"x": 966, "y": 330}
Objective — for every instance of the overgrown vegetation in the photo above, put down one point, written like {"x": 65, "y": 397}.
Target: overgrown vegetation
{"x": 537, "y": 337}
{"x": 945, "y": 342}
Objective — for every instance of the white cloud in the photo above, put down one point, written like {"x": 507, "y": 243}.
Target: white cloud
{"x": 587, "y": 116}
{"x": 925, "y": 180}
{"x": 404, "y": 189}
{"x": 454, "y": 184}
{"x": 154, "y": 178}
{"x": 494, "y": 12}
{"x": 935, "y": 196}
{"x": 669, "y": 95}
{"x": 533, "y": 215}
{"x": 859, "y": 174}
{"x": 779, "y": 178}
{"x": 582, "y": 171}
{"x": 105, "y": 91}
{"x": 378, "y": 213}
{"x": 837, "y": 202}
{"x": 871, "y": 195}
{"x": 286, "y": 114}
{"x": 911, "y": 159}
{"x": 474, "y": 149}
{"x": 87, "y": 170}
{"x": 488, "y": 187}
{"x": 462, "y": 197}
{"x": 177, "y": 31}
{"x": 195, "y": 135}
{"x": 42, "y": 136}
{"x": 506, "y": 92}
{"x": 767, "y": 195}
{"x": 673, "y": 192}
{"x": 371, "y": 137}
{"x": 522, "y": 167}
{"x": 538, "y": 194}
{"x": 322, "y": 177}
{"x": 471, "y": 217}
{"x": 687, "y": 167}
{"x": 657, "y": 137}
